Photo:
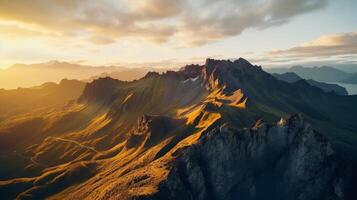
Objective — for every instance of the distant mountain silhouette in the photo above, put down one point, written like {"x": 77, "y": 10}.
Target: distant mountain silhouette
{"x": 352, "y": 79}
{"x": 291, "y": 77}
{"x": 20, "y": 75}
{"x": 322, "y": 74}
{"x": 222, "y": 130}
{"x": 128, "y": 75}
{"x": 349, "y": 68}
{"x": 48, "y": 95}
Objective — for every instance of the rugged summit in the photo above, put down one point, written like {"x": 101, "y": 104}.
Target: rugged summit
{"x": 205, "y": 132}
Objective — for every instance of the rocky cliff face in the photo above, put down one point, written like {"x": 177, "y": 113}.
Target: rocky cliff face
{"x": 151, "y": 130}
{"x": 288, "y": 160}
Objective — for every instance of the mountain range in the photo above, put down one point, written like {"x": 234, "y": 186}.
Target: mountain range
{"x": 48, "y": 95}
{"x": 21, "y": 75}
{"x": 291, "y": 77}
{"x": 350, "y": 68}
{"x": 128, "y": 75}
{"x": 352, "y": 79}
{"x": 222, "y": 130}
{"x": 322, "y": 74}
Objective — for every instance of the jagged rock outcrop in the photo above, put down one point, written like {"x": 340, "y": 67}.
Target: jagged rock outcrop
{"x": 288, "y": 160}
{"x": 98, "y": 90}
{"x": 152, "y": 74}
{"x": 230, "y": 74}
{"x": 152, "y": 129}
{"x": 191, "y": 71}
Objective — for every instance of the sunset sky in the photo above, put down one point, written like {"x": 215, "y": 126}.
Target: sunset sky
{"x": 174, "y": 32}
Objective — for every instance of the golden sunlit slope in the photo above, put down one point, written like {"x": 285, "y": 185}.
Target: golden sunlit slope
{"x": 115, "y": 126}
{"x": 132, "y": 140}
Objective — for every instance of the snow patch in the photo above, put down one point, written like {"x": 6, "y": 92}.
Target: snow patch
{"x": 191, "y": 79}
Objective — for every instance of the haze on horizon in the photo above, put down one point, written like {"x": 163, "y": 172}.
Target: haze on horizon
{"x": 176, "y": 32}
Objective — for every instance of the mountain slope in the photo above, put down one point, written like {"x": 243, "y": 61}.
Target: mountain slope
{"x": 322, "y": 74}
{"x": 48, "y": 95}
{"x": 352, "y": 79}
{"x": 191, "y": 134}
{"x": 291, "y": 77}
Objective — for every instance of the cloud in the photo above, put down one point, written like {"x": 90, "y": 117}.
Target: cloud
{"x": 75, "y": 19}
{"x": 101, "y": 40}
{"x": 214, "y": 20}
{"x": 157, "y": 9}
{"x": 16, "y": 31}
{"x": 186, "y": 22}
{"x": 325, "y": 46}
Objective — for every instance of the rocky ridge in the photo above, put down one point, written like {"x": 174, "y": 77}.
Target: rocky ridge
{"x": 287, "y": 160}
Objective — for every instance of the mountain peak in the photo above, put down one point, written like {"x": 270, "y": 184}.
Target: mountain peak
{"x": 243, "y": 61}
{"x": 227, "y": 73}
{"x": 99, "y": 90}
{"x": 240, "y": 63}
{"x": 151, "y": 74}
{"x": 210, "y": 62}
{"x": 191, "y": 71}
{"x": 53, "y": 62}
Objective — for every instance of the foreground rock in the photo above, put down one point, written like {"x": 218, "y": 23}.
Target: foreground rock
{"x": 288, "y": 160}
